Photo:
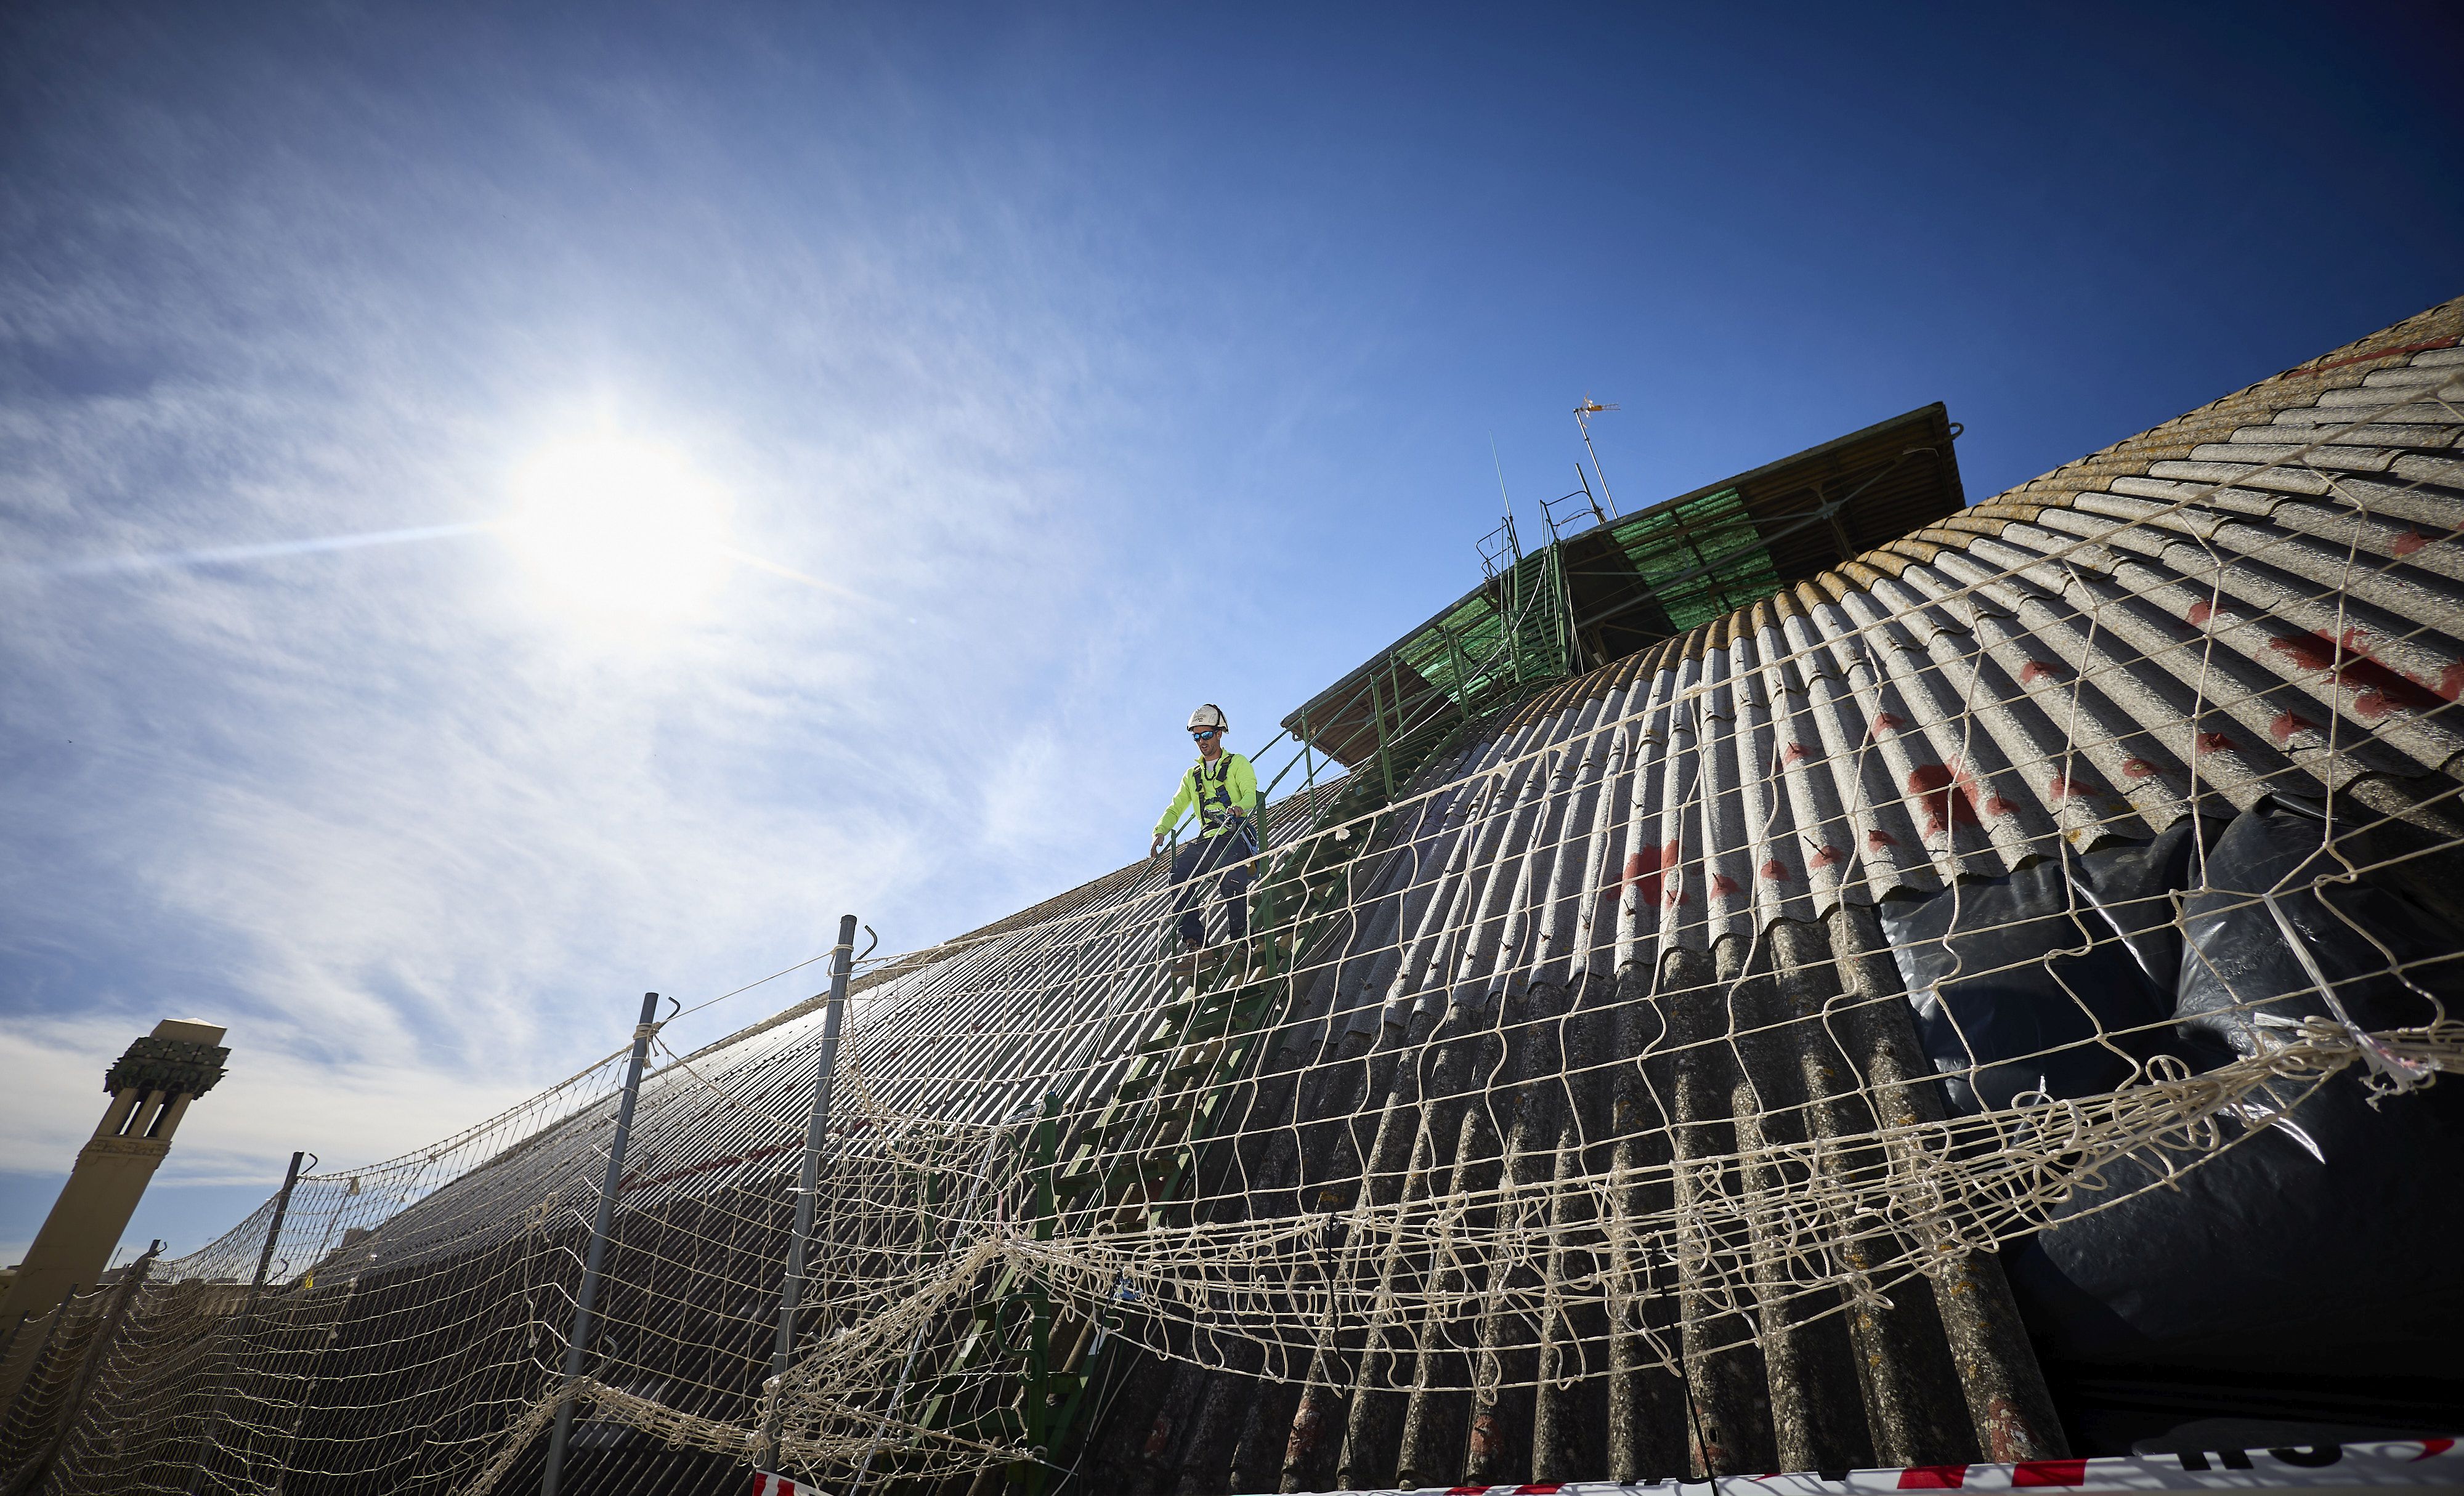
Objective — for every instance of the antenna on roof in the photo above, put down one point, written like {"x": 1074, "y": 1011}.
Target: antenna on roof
{"x": 1501, "y": 543}
{"x": 1496, "y": 462}
{"x": 1583, "y": 414}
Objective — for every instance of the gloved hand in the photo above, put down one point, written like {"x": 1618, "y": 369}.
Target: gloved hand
{"x": 1155, "y": 848}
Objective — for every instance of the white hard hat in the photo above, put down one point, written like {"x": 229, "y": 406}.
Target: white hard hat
{"x": 1208, "y": 715}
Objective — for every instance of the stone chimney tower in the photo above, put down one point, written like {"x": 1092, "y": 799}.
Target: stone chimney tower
{"x": 150, "y": 1087}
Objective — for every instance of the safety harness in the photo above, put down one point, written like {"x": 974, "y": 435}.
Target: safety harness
{"x": 1210, "y": 792}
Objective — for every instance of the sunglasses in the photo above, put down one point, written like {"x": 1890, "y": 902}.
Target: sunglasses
{"x": 1201, "y": 734}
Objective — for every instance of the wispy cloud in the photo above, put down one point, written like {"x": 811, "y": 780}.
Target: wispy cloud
{"x": 410, "y": 833}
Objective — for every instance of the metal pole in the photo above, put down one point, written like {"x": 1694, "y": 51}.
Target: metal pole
{"x": 246, "y": 1319}
{"x": 791, "y": 1294}
{"x": 1586, "y": 427}
{"x": 1378, "y": 716}
{"x": 1574, "y": 646}
{"x": 588, "y": 1294}
{"x": 1309, "y": 770}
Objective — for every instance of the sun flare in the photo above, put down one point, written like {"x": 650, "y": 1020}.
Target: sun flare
{"x": 623, "y": 530}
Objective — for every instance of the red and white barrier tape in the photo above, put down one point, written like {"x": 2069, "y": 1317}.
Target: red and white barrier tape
{"x": 2318, "y": 1469}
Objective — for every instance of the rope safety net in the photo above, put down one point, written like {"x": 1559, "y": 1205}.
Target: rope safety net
{"x": 1686, "y": 1030}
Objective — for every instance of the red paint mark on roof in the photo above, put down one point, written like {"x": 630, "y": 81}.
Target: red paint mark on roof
{"x": 2410, "y": 542}
{"x": 1646, "y": 870}
{"x": 1932, "y": 784}
{"x": 2311, "y": 653}
{"x": 1776, "y": 870}
{"x": 2138, "y": 768}
{"x": 2365, "y": 358}
{"x": 2041, "y": 669}
{"x": 2073, "y": 786}
{"x": 2288, "y": 723}
{"x": 1826, "y": 857}
{"x": 1887, "y": 722}
{"x": 2201, "y": 612}
{"x": 2215, "y": 743}
{"x": 1794, "y": 753}
{"x": 2377, "y": 690}
{"x": 1722, "y": 883}
{"x": 1949, "y": 796}
{"x": 1879, "y": 838}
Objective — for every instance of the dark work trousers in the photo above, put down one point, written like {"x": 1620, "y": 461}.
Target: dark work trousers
{"x": 1190, "y": 866}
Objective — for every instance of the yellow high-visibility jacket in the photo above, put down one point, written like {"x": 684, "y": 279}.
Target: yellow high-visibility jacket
{"x": 1213, "y": 790}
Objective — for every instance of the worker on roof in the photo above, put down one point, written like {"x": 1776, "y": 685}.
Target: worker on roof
{"x": 1223, "y": 788}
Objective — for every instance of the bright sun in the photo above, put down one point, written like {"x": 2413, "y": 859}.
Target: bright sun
{"x": 623, "y": 530}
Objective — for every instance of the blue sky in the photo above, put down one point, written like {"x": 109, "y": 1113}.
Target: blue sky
{"x": 1079, "y": 362}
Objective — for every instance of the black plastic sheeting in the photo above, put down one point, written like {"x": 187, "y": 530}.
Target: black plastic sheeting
{"x": 2324, "y": 1250}
{"x": 2000, "y": 972}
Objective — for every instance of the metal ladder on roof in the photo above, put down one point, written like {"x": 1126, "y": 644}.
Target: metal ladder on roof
{"x": 1141, "y": 1151}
